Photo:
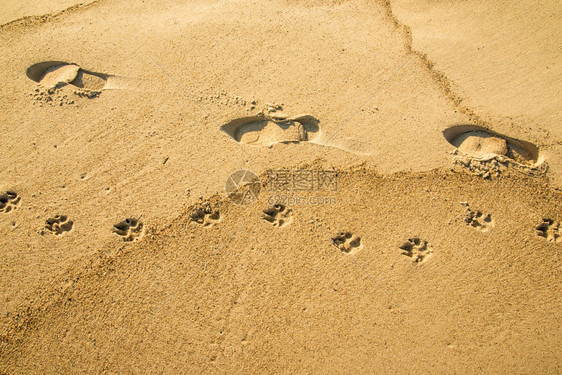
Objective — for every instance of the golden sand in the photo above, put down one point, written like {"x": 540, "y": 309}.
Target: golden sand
{"x": 310, "y": 186}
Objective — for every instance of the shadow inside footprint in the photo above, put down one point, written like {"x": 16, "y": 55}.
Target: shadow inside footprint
{"x": 266, "y": 130}
{"x": 204, "y": 214}
{"x": 90, "y": 80}
{"x": 479, "y": 142}
{"x": 59, "y": 224}
{"x": 418, "y": 250}
{"x": 477, "y": 219}
{"x": 279, "y": 215}
{"x": 9, "y": 201}
{"x": 129, "y": 229}
{"x": 549, "y": 229}
{"x": 56, "y": 73}
{"x": 347, "y": 243}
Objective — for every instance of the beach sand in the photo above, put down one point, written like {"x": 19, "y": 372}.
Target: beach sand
{"x": 405, "y": 210}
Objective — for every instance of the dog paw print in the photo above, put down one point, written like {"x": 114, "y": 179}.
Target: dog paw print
{"x": 204, "y": 214}
{"x": 477, "y": 219}
{"x": 130, "y": 229}
{"x": 279, "y": 215}
{"x": 347, "y": 242}
{"x": 9, "y": 201}
{"x": 418, "y": 250}
{"x": 550, "y": 230}
{"x": 59, "y": 224}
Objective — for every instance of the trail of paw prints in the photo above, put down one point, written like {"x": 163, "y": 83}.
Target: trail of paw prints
{"x": 130, "y": 229}
{"x": 550, "y": 230}
{"x": 204, "y": 214}
{"x": 9, "y": 201}
{"x": 418, "y": 250}
{"x": 477, "y": 219}
{"x": 347, "y": 242}
{"x": 59, "y": 225}
{"x": 279, "y": 215}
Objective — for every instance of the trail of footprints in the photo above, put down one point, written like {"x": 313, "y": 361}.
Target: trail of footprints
{"x": 478, "y": 144}
{"x": 279, "y": 215}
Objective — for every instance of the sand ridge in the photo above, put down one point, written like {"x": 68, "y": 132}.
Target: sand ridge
{"x": 219, "y": 286}
{"x": 32, "y": 14}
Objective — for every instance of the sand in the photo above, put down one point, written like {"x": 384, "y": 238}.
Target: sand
{"x": 433, "y": 245}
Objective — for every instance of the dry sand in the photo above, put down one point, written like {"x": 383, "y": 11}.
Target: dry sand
{"x": 439, "y": 251}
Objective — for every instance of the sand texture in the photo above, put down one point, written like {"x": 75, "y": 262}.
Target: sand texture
{"x": 313, "y": 186}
